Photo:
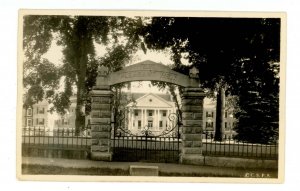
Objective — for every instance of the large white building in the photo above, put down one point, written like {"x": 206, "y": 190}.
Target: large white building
{"x": 151, "y": 111}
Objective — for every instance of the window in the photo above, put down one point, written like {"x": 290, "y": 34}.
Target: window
{"x": 209, "y": 124}
{"x": 136, "y": 113}
{"x": 164, "y": 113}
{"x": 40, "y": 121}
{"x": 209, "y": 114}
{"x": 64, "y": 122}
{"x": 225, "y": 114}
{"x": 150, "y": 124}
{"x": 150, "y": 113}
{"x": 29, "y": 112}
{"x": 139, "y": 124}
{"x": 160, "y": 124}
{"x": 225, "y": 125}
{"x": 29, "y": 122}
{"x": 40, "y": 110}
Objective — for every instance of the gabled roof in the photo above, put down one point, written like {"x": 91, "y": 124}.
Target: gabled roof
{"x": 136, "y": 95}
{"x": 158, "y": 101}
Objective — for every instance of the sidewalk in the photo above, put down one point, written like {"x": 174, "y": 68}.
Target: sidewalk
{"x": 165, "y": 169}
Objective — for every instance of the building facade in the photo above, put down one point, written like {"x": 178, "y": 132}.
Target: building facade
{"x": 66, "y": 123}
{"x": 35, "y": 119}
{"x": 36, "y": 115}
{"x": 209, "y": 118}
{"x": 151, "y": 111}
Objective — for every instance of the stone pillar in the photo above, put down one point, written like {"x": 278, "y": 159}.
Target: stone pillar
{"x": 192, "y": 110}
{"x": 101, "y": 118}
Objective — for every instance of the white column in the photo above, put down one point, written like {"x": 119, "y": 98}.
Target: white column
{"x": 167, "y": 117}
{"x": 157, "y": 120}
{"x": 154, "y": 119}
{"x": 142, "y": 117}
{"x": 128, "y": 115}
{"x": 132, "y": 118}
{"x": 145, "y": 117}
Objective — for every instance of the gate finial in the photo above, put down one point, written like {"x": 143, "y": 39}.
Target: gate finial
{"x": 102, "y": 71}
{"x": 194, "y": 72}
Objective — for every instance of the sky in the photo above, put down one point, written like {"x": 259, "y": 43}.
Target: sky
{"x": 55, "y": 56}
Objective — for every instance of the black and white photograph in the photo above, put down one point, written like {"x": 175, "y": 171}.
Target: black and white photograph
{"x": 151, "y": 96}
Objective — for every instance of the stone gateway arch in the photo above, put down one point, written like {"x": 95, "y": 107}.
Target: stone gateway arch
{"x": 192, "y": 108}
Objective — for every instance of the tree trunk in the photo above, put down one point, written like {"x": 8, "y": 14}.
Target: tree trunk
{"x": 219, "y": 130}
{"x": 80, "y": 118}
{"x": 81, "y": 74}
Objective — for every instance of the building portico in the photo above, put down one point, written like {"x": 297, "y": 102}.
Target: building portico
{"x": 150, "y": 111}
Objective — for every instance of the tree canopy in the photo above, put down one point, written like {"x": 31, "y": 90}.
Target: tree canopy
{"x": 238, "y": 55}
{"x": 78, "y": 36}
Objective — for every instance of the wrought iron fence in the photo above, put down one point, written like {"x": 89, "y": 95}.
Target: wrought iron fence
{"x": 146, "y": 144}
{"x": 142, "y": 148}
{"x": 60, "y": 142}
{"x": 65, "y": 143}
{"x": 230, "y": 147}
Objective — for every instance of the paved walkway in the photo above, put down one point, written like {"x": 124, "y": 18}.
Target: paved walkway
{"x": 73, "y": 163}
{"x": 187, "y": 170}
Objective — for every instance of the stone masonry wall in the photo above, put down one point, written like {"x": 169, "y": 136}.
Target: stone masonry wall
{"x": 101, "y": 125}
{"x": 192, "y": 114}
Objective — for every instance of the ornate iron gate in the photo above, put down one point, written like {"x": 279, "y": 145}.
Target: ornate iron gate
{"x": 144, "y": 144}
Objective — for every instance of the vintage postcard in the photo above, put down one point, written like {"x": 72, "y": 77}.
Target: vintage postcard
{"x": 151, "y": 96}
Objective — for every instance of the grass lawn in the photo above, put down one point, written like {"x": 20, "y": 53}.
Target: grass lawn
{"x": 56, "y": 170}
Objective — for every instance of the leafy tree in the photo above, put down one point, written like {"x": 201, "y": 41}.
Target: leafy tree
{"x": 220, "y": 48}
{"x": 78, "y": 36}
